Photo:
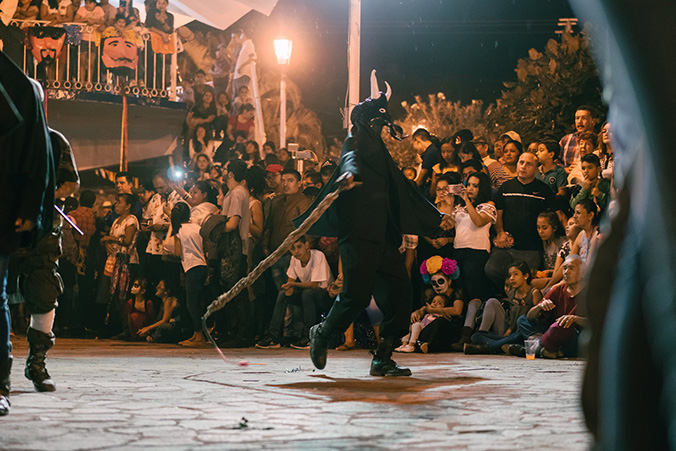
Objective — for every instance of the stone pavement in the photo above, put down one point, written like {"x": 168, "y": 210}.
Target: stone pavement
{"x": 133, "y": 396}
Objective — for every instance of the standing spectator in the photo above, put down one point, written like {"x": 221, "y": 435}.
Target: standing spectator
{"x": 430, "y": 154}
{"x": 188, "y": 246}
{"x": 94, "y": 17}
{"x": 236, "y": 210}
{"x": 496, "y": 173}
{"x": 244, "y": 121}
{"x": 221, "y": 69}
{"x": 519, "y": 202}
{"x": 57, "y": 11}
{"x": 594, "y": 186}
{"x": 551, "y": 173}
{"x": 110, "y": 12}
{"x": 605, "y": 151}
{"x": 244, "y": 66}
{"x": 85, "y": 219}
{"x": 161, "y": 22}
{"x": 449, "y": 163}
{"x": 585, "y": 121}
{"x": 27, "y": 10}
{"x": 441, "y": 243}
{"x": 255, "y": 182}
{"x": 510, "y": 156}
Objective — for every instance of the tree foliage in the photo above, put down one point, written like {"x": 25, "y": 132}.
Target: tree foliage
{"x": 540, "y": 104}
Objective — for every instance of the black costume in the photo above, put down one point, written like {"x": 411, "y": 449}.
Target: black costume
{"x": 369, "y": 221}
{"x": 26, "y": 185}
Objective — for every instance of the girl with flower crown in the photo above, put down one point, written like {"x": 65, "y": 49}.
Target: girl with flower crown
{"x": 446, "y": 322}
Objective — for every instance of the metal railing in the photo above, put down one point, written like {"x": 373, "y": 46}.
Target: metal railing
{"x": 79, "y": 67}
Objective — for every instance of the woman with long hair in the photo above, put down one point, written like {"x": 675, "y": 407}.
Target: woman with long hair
{"x": 201, "y": 142}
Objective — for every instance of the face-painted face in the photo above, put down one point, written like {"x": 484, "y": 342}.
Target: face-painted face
{"x": 136, "y": 288}
{"x": 439, "y": 283}
{"x": 119, "y": 56}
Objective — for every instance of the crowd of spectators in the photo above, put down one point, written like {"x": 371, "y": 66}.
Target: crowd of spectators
{"x": 525, "y": 226}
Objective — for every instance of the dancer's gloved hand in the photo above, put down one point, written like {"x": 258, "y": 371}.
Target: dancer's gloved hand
{"x": 347, "y": 180}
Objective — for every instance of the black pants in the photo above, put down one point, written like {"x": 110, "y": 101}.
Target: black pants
{"x": 378, "y": 270}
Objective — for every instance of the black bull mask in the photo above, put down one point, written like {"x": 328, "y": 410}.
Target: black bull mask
{"x": 373, "y": 113}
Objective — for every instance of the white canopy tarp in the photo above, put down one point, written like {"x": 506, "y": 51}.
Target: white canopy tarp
{"x": 216, "y": 13}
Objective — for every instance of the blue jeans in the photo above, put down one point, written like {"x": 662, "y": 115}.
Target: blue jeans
{"x": 5, "y": 344}
{"x": 525, "y": 328}
{"x": 305, "y": 300}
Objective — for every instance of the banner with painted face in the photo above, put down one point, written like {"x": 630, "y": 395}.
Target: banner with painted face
{"x": 119, "y": 55}
{"x": 46, "y": 43}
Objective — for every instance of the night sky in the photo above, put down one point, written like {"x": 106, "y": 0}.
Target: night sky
{"x": 464, "y": 48}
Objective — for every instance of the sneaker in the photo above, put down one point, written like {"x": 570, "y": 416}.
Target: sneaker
{"x": 318, "y": 347}
{"x": 301, "y": 343}
{"x": 268, "y": 343}
{"x": 387, "y": 368}
{"x": 408, "y": 347}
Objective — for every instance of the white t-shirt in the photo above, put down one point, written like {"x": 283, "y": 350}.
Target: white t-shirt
{"x": 200, "y": 213}
{"x": 467, "y": 234}
{"x": 246, "y": 52}
{"x": 236, "y": 203}
{"x": 316, "y": 270}
{"x": 192, "y": 252}
{"x": 155, "y": 211}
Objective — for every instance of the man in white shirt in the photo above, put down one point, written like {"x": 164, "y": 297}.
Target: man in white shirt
{"x": 243, "y": 67}
{"x": 306, "y": 291}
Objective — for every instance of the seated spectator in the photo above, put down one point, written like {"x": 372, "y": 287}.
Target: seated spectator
{"x": 200, "y": 87}
{"x": 222, "y": 115}
{"x": 327, "y": 169}
{"x": 252, "y": 155}
{"x": 269, "y": 148}
{"x": 499, "y": 327}
{"x": 243, "y": 98}
{"x": 549, "y": 172}
{"x": 140, "y": 309}
{"x": 440, "y": 334}
{"x": 188, "y": 246}
{"x": 202, "y": 166}
{"x": 172, "y": 325}
{"x": 201, "y": 143}
{"x": 58, "y": 11}
{"x": 410, "y": 173}
{"x": 555, "y": 316}
{"x": 305, "y": 291}
{"x": 552, "y": 234}
{"x": 312, "y": 179}
{"x": 586, "y": 142}
{"x": 285, "y": 158}
{"x": 94, "y": 16}
{"x": 450, "y": 162}
{"x": 27, "y": 10}
{"x": 244, "y": 121}
{"x": 510, "y": 156}
{"x": 410, "y": 340}
{"x": 594, "y": 186}
{"x": 572, "y": 231}
{"x": 495, "y": 171}
{"x": 203, "y": 113}
{"x": 585, "y": 121}
{"x": 605, "y": 151}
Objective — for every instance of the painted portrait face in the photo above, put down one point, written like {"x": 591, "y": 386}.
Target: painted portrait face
{"x": 119, "y": 56}
{"x": 439, "y": 283}
{"x": 46, "y": 43}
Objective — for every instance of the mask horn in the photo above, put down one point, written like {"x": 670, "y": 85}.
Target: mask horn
{"x": 388, "y": 93}
{"x": 375, "y": 93}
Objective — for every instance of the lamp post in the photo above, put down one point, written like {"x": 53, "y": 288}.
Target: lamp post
{"x": 283, "y": 52}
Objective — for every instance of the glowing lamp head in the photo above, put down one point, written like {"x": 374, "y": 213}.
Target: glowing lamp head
{"x": 283, "y": 50}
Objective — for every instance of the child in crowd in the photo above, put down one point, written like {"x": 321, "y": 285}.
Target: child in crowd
{"x": 552, "y": 174}
{"x": 409, "y": 341}
{"x": 499, "y": 328}
{"x": 140, "y": 309}
{"x": 243, "y": 97}
{"x": 572, "y": 231}
{"x": 594, "y": 186}
{"x": 586, "y": 143}
{"x": 188, "y": 246}
{"x": 309, "y": 277}
{"x": 551, "y": 232}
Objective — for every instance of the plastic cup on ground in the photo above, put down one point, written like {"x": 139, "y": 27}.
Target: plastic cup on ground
{"x": 531, "y": 346}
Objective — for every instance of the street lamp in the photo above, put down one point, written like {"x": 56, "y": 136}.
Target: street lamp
{"x": 283, "y": 52}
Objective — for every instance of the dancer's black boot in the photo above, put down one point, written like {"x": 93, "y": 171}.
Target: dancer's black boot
{"x": 38, "y": 345}
{"x": 382, "y": 364}
{"x": 5, "y": 371}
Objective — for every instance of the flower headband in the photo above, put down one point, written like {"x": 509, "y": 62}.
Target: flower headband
{"x": 433, "y": 265}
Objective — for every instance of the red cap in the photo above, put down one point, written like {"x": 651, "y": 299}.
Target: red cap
{"x": 274, "y": 168}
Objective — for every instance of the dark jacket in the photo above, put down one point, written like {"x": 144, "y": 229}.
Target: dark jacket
{"x": 26, "y": 163}
{"x": 385, "y": 203}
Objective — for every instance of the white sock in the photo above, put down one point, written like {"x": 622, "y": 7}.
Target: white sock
{"x": 43, "y": 321}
